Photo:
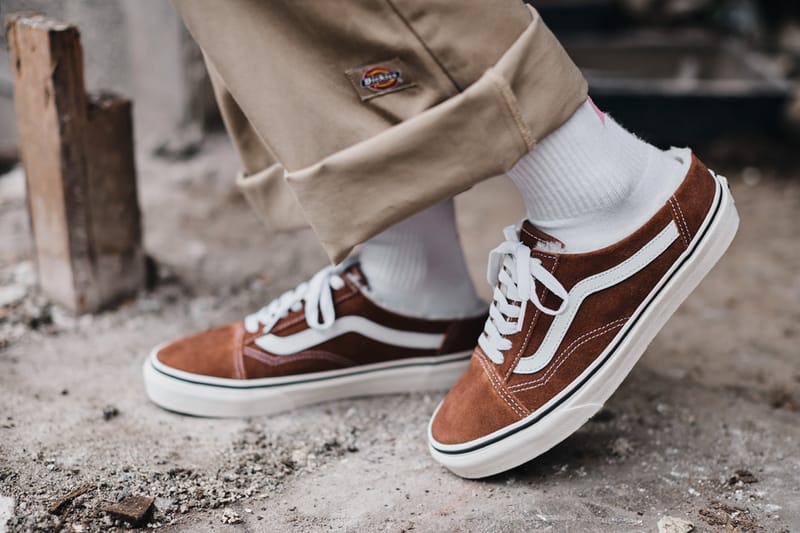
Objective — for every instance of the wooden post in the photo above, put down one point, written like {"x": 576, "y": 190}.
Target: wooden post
{"x": 77, "y": 152}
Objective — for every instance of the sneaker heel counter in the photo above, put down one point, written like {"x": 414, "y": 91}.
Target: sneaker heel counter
{"x": 694, "y": 198}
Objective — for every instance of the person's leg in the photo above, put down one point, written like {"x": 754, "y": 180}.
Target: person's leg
{"x": 261, "y": 178}
{"x": 470, "y": 87}
{"x": 409, "y": 287}
{"x": 442, "y": 95}
{"x": 375, "y": 112}
{"x": 415, "y": 267}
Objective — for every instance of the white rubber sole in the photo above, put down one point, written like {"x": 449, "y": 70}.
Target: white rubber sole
{"x": 207, "y": 396}
{"x": 563, "y": 415}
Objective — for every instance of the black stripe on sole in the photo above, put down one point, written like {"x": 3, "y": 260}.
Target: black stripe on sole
{"x": 309, "y": 380}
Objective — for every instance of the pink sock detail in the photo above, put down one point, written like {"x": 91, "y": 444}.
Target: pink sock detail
{"x": 597, "y": 110}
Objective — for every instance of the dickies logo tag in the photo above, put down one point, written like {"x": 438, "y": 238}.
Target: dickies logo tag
{"x": 380, "y": 78}
{"x": 375, "y": 80}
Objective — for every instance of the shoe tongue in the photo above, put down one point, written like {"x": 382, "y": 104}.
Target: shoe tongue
{"x": 355, "y": 273}
{"x": 533, "y": 237}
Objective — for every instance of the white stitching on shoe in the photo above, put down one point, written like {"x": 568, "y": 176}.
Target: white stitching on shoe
{"x": 683, "y": 219}
{"x": 238, "y": 363}
{"x": 681, "y": 222}
{"x": 310, "y": 355}
{"x": 509, "y": 399}
{"x": 565, "y": 353}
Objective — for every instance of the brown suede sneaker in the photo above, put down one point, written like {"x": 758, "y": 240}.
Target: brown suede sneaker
{"x": 324, "y": 340}
{"x": 566, "y": 329}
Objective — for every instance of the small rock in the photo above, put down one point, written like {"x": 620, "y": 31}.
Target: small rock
{"x": 299, "y": 456}
{"x": 109, "y": 412}
{"x": 780, "y": 398}
{"x": 671, "y": 524}
{"x": 731, "y": 517}
{"x": 6, "y": 510}
{"x": 621, "y": 447}
{"x": 124, "y": 493}
{"x": 36, "y": 312}
{"x": 135, "y": 510}
{"x": 11, "y": 294}
{"x": 63, "y": 319}
{"x": 229, "y": 516}
{"x": 743, "y": 476}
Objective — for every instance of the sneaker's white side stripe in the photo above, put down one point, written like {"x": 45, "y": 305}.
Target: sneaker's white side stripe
{"x": 310, "y": 338}
{"x": 561, "y": 323}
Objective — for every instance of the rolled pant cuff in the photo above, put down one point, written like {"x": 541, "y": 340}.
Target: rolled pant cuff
{"x": 354, "y": 194}
{"x": 273, "y": 202}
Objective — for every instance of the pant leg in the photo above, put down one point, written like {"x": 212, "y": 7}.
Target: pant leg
{"x": 261, "y": 180}
{"x": 472, "y": 85}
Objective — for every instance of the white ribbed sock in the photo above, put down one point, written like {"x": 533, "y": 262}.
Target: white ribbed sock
{"x": 417, "y": 267}
{"x": 591, "y": 183}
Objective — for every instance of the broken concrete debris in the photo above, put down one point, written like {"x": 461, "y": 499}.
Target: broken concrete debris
{"x": 229, "y": 516}
{"x": 136, "y": 510}
{"x": 671, "y": 524}
{"x": 7, "y": 505}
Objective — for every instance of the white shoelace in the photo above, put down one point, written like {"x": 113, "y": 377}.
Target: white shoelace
{"x": 317, "y": 293}
{"x": 513, "y": 273}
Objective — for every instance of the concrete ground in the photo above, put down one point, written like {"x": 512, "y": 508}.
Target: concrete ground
{"x": 704, "y": 430}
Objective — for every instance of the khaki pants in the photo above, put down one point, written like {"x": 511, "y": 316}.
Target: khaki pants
{"x": 353, "y": 115}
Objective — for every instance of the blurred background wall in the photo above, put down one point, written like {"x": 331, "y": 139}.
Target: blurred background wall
{"x": 138, "y": 48}
{"x": 687, "y": 71}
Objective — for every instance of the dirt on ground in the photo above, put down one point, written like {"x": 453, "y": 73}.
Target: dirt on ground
{"x": 705, "y": 433}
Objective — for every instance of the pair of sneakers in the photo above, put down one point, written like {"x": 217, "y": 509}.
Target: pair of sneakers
{"x": 561, "y": 334}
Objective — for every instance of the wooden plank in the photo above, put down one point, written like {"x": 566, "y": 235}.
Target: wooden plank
{"x": 115, "y": 220}
{"x": 79, "y": 167}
